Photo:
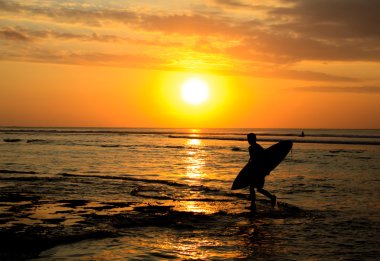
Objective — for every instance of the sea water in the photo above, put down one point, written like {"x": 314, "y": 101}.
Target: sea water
{"x": 100, "y": 193}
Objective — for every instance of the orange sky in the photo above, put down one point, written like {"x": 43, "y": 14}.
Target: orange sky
{"x": 268, "y": 64}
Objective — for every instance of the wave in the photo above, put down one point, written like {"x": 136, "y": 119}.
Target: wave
{"x": 6, "y": 171}
{"x": 240, "y": 133}
{"x": 327, "y": 141}
{"x": 110, "y": 146}
{"x": 164, "y": 182}
{"x": 142, "y": 146}
{"x": 37, "y": 141}
{"x": 353, "y": 137}
{"x": 91, "y": 131}
{"x": 12, "y": 140}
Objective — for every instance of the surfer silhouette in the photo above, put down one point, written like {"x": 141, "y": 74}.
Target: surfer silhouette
{"x": 256, "y": 154}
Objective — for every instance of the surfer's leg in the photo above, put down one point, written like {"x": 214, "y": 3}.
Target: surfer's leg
{"x": 252, "y": 195}
{"x": 266, "y": 193}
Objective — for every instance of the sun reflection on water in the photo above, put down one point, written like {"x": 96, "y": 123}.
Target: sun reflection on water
{"x": 194, "y": 142}
{"x": 197, "y": 207}
{"x": 194, "y": 166}
{"x": 194, "y": 160}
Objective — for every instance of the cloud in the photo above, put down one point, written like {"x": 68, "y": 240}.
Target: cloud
{"x": 65, "y": 14}
{"x": 307, "y": 76}
{"x": 44, "y": 55}
{"x": 184, "y": 24}
{"x": 260, "y": 45}
{"x": 37, "y": 53}
{"x": 232, "y": 3}
{"x": 9, "y": 6}
{"x": 11, "y": 34}
{"x": 242, "y": 5}
{"x": 332, "y": 18}
{"x": 313, "y": 30}
{"x": 29, "y": 35}
{"x": 328, "y": 30}
{"x": 187, "y": 25}
{"x": 299, "y": 75}
{"x": 290, "y": 49}
{"x": 341, "y": 89}
{"x": 22, "y": 34}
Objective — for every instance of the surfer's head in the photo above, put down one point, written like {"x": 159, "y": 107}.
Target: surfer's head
{"x": 251, "y": 137}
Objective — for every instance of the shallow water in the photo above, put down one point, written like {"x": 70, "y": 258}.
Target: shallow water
{"x": 165, "y": 194}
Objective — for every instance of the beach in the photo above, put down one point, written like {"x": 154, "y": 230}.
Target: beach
{"x": 102, "y": 193}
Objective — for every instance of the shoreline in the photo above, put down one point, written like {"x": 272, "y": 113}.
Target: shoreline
{"x": 27, "y": 233}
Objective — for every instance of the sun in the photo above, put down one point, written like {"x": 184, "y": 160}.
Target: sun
{"x": 195, "y": 91}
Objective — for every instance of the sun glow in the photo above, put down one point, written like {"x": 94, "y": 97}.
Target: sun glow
{"x": 184, "y": 108}
{"x": 195, "y": 91}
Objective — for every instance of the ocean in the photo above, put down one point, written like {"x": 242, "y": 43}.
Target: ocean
{"x": 165, "y": 194}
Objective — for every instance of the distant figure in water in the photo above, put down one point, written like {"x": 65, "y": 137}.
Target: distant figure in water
{"x": 256, "y": 154}
{"x": 302, "y": 134}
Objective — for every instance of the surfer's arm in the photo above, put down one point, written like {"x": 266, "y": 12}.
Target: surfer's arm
{"x": 255, "y": 153}
{"x": 251, "y": 153}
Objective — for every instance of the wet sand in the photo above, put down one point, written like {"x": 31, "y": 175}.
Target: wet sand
{"x": 31, "y": 224}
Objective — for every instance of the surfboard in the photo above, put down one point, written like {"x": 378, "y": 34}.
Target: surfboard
{"x": 272, "y": 157}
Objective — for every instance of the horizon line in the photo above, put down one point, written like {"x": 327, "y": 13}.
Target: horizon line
{"x": 109, "y": 127}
